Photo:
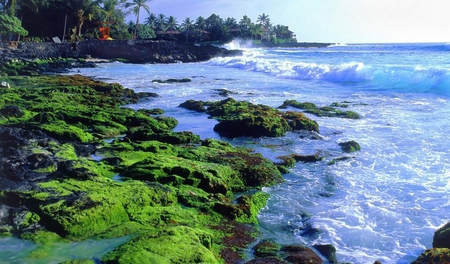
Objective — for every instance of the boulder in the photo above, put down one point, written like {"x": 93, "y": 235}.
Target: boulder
{"x": 350, "y": 146}
{"x": 441, "y": 237}
{"x": 300, "y": 254}
{"x": 434, "y": 256}
{"x": 328, "y": 251}
{"x": 242, "y": 118}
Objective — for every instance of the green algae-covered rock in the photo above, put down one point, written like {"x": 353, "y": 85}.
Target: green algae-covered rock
{"x": 172, "y": 188}
{"x": 328, "y": 111}
{"x": 266, "y": 248}
{"x": 76, "y": 108}
{"x": 246, "y": 119}
{"x": 178, "y": 244}
{"x": 255, "y": 170}
{"x": 350, "y": 146}
{"x": 82, "y": 209}
{"x": 434, "y": 256}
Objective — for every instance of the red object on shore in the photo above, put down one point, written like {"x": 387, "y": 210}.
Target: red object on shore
{"x": 104, "y": 31}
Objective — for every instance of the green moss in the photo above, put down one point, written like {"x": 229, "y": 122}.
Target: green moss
{"x": 178, "y": 244}
{"x": 79, "y": 261}
{"x": 266, "y": 248}
{"x": 327, "y": 111}
{"x": 42, "y": 237}
{"x": 62, "y": 130}
{"x": 350, "y": 146}
{"x": 250, "y": 205}
{"x": 98, "y": 206}
{"x": 48, "y": 169}
{"x": 434, "y": 255}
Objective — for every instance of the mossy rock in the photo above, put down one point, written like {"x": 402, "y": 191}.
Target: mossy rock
{"x": 175, "y": 171}
{"x": 350, "y": 146}
{"x": 434, "y": 256}
{"x": 298, "y": 121}
{"x": 194, "y": 105}
{"x": 62, "y": 130}
{"x": 81, "y": 209}
{"x": 179, "y": 244}
{"x": 254, "y": 169}
{"x": 240, "y": 118}
{"x": 326, "y": 111}
{"x": 266, "y": 248}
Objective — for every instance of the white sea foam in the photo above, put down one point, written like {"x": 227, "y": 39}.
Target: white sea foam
{"x": 383, "y": 202}
{"x": 414, "y": 78}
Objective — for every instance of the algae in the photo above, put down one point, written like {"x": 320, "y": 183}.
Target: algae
{"x": 178, "y": 190}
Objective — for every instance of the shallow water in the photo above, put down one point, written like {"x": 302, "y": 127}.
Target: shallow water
{"x": 383, "y": 202}
{"x": 13, "y": 250}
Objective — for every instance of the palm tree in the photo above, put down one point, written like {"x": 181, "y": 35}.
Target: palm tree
{"x": 280, "y": 31}
{"x": 152, "y": 21}
{"x": 256, "y": 30}
{"x": 172, "y": 23}
{"x": 161, "y": 22}
{"x": 83, "y": 10}
{"x": 213, "y": 21}
{"x": 109, "y": 11}
{"x": 264, "y": 20}
{"x": 245, "y": 24}
{"x": 200, "y": 25}
{"x": 231, "y": 22}
{"x": 136, "y": 8}
{"x": 187, "y": 25}
{"x": 11, "y": 6}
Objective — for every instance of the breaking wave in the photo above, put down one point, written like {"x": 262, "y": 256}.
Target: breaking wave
{"x": 385, "y": 77}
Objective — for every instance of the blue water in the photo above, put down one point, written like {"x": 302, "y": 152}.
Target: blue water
{"x": 385, "y": 201}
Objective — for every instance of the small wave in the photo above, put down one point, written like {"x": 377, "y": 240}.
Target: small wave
{"x": 338, "y": 45}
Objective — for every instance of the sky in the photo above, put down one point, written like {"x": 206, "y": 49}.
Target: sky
{"x": 331, "y": 21}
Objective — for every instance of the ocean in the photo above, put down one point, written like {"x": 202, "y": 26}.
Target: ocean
{"x": 381, "y": 203}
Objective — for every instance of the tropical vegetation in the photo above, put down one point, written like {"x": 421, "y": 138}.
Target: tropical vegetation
{"x": 82, "y": 19}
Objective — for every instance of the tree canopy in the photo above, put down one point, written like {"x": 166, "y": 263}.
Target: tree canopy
{"x": 11, "y": 25}
{"x": 82, "y": 19}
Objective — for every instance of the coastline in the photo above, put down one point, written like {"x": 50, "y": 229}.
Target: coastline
{"x": 132, "y": 51}
{"x": 145, "y": 182}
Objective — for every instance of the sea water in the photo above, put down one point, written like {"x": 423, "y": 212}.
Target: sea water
{"x": 381, "y": 203}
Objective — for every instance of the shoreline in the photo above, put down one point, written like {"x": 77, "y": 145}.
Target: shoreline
{"x": 163, "y": 192}
{"x": 435, "y": 251}
{"x": 132, "y": 51}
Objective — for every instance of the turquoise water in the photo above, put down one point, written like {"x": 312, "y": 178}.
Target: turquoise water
{"x": 13, "y": 250}
{"x": 384, "y": 202}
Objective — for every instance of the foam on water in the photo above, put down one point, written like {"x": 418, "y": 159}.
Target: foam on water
{"x": 383, "y": 202}
{"x": 408, "y": 78}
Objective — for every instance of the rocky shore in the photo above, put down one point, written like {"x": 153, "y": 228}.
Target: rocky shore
{"x": 76, "y": 164}
{"x": 133, "y": 51}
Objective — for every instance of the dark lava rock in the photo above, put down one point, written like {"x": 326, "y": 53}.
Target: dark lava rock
{"x": 441, "y": 237}
{"x": 267, "y": 260}
{"x": 184, "y": 80}
{"x": 301, "y": 254}
{"x": 328, "y": 251}
{"x": 194, "y": 105}
{"x": 224, "y": 92}
{"x": 11, "y": 111}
